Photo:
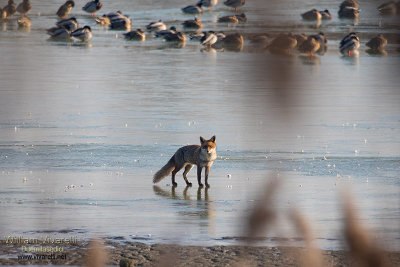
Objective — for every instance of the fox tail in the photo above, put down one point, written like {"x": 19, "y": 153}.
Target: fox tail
{"x": 164, "y": 171}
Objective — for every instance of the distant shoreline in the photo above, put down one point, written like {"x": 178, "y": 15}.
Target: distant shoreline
{"x": 141, "y": 254}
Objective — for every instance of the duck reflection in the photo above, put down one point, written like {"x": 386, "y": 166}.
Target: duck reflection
{"x": 3, "y": 26}
{"x": 201, "y": 210}
{"x": 315, "y": 25}
{"x": 211, "y": 50}
{"x": 354, "y": 59}
{"x": 172, "y": 45}
{"x": 8, "y": 25}
{"x": 310, "y": 60}
{"x": 375, "y": 52}
{"x": 82, "y": 44}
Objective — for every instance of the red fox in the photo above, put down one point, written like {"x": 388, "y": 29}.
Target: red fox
{"x": 188, "y": 156}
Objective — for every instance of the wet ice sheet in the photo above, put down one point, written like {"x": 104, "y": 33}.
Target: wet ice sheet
{"x": 84, "y": 127}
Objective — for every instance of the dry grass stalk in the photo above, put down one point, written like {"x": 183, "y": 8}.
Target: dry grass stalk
{"x": 362, "y": 248}
{"x": 312, "y": 257}
{"x": 168, "y": 257}
{"x": 263, "y": 214}
{"x": 96, "y": 255}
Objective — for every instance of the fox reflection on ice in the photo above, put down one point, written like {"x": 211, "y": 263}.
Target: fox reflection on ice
{"x": 204, "y": 208}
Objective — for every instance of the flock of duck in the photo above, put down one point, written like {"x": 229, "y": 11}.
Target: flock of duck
{"x": 67, "y": 28}
{"x": 348, "y": 9}
{"x": 316, "y": 43}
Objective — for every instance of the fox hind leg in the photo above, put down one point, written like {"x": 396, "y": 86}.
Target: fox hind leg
{"x": 177, "y": 169}
{"x": 173, "y": 178}
{"x": 187, "y": 170}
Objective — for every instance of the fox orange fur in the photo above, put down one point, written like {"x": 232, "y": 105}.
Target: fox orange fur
{"x": 188, "y": 156}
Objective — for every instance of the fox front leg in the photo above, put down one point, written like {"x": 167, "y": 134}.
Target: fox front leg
{"x": 199, "y": 175}
{"x": 207, "y": 171}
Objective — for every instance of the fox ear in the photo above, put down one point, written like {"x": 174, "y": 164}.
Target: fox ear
{"x": 212, "y": 139}
{"x": 202, "y": 140}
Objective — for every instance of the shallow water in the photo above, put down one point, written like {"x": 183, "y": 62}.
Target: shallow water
{"x": 104, "y": 116}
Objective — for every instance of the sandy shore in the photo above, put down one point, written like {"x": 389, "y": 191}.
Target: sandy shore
{"x": 140, "y": 254}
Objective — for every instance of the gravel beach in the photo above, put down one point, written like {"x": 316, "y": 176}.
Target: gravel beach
{"x": 140, "y": 254}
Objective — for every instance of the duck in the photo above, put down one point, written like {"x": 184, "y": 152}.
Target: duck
{"x": 229, "y": 19}
{"x": 325, "y": 14}
{"x": 92, "y": 7}
{"x": 220, "y": 36}
{"x": 208, "y": 3}
{"x": 313, "y": 14}
{"x": 347, "y": 37}
{"x": 389, "y": 8}
{"x": 233, "y": 42}
{"x": 241, "y": 17}
{"x": 137, "y": 35}
{"x": 84, "y": 34}
{"x": 283, "y": 44}
{"x": 233, "y": 38}
{"x": 349, "y": 44}
{"x": 175, "y": 37}
{"x": 156, "y": 26}
{"x": 196, "y": 36}
{"x": 70, "y": 24}
{"x": 3, "y": 14}
{"x": 377, "y": 43}
{"x": 64, "y": 9}
{"x": 103, "y": 20}
{"x": 114, "y": 15}
{"x": 349, "y": 13}
{"x": 10, "y": 9}
{"x": 122, "y": 23}
{"x": 24, "y": 22}
{"x": 24, "y": 7}
{"x": 300, "y": 38}
{"x": 260, "y": 40}
{"x": 349, "y": 3}
{"x": 193, "y": 9}
{"x": 118, "y": 21}
{"x": 59, "y": 33}
{"x": 309, "y": 46}
{"x": 193, "y": 23}
{"x": 235, "y": 3}
{"x": 162, "y": 33}
{"x": 321, "y": 38}
{"x": 209, "y": 38}
{"x": 349, "y": 9}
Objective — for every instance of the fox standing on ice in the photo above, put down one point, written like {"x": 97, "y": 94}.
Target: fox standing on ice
{"x": 188, "y": 156}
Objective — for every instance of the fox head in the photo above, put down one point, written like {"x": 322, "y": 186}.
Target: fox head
{"x": 208, "y": 145}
